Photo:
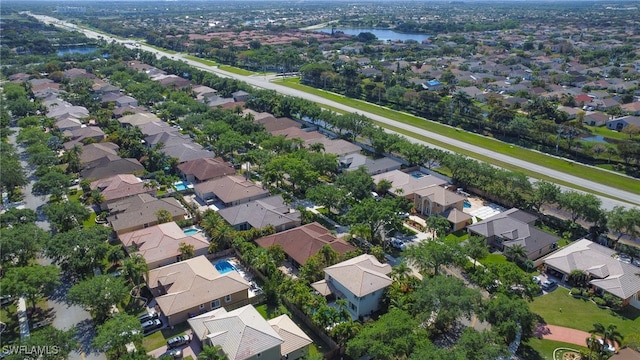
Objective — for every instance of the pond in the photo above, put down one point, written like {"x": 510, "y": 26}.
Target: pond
{"x": 77, "y": 50}
{"x": 381, "y": 34}
{"x": 595, "y": 138}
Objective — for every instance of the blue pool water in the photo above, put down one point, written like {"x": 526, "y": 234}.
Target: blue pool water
{"x": 191, "y": 231}
{"x": 224, "y": 267}
{"x": 417, "y": 175}
{"x": 180, "y": 186}
{"x": 466, "y": 204}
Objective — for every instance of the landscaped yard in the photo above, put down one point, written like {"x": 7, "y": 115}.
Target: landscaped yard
{"x": 538, "y": 349}
{"x": 159, "y": 338}
{"x": 493, "y": 259}
{"x": 458, "y": 236}
{"x": 485, "y": 142}
{"x": 559, "y": 308}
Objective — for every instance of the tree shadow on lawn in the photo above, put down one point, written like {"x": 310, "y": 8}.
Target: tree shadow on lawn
{"x": 526, "y": 352}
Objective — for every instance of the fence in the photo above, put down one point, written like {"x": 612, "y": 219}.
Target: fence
{"x": 334, "y": 351}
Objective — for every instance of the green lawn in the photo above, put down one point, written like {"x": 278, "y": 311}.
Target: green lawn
{"x": 493, "y": 259}
{"x": 160, "y": 49}
{"x": 538, "y": 349}
{"x": 200, "y": 60}
{"x": 459, "y": 236}
{"x": 559, "y": 308}
{"x": 159, "y": 338}
{"x": 607, "y": 133}
{"x": 236, "y": 70}
{"x": 268, "y": 312}
{"x": 565, "y": 166}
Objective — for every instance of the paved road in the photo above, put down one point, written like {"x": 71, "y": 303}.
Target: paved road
{"x": 66, "y": 317}
{"x": 264, "y": 82}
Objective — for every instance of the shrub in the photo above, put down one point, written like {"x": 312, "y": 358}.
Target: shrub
{"x": 586, "y": 293}
{"x": 600, "y": 301}
{"x": 575, "y": 291}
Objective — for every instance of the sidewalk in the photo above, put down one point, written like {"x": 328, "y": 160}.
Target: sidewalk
{"x": 23, "y": 319}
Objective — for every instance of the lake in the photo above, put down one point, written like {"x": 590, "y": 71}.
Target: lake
{"x": 381, "y": 34}
{"x": 77, "y": 50}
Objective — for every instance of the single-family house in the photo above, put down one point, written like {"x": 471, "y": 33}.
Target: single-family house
{"x": 632, "y": 108}
{"x": 119, "y": 187}
{"x": 154, "y": 128}
{"x": 240, "y": 95}
{"x": 187, "y": 151}
{"x": 67, "y": 123}
{"x": 515, "y": 227}
{"x": 141, "y": 211}
{"x": 436, "y": 200}
{"x": 194, "y": 286}
{"x": 353, "y": 162}
{"x": 93, "y": 152}
{"x": 595, "y": 118}
{"x": 403, "y": 184}
{"x": 302, "y": 242}
{"x": 230, "y": 190}
{"x": 138, "y": 119}
{"x": 338, "y": 147}
{"x": 106, "y": 167}
{"x": 126, "y": 100}
{"x": 160, "y": 245}
{"x": 243, "y": 334}
{"x": 272, "y": 123}
{"x": 622, "y": 122}
{"x": 361, "y": 281}
{"x": 199, "y": 170}
{"x": 257, "y": 214}
{"x": 167, "y": 139}
{"x": 298, "y": 133}
{"x": 607, "y": 274}
{"x": 82, "y": 135}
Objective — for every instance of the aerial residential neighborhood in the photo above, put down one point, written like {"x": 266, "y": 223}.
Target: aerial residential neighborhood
{"x": 259, "y": 183}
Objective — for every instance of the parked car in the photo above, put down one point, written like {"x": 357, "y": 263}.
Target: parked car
{"x": 403, "y": 215}
{"x": 178, "y": 341}
{"x": 548, "y": 284}
{"x": 537, "y": 280}
{"x": 6, "y": 300}
{"x": 173, "y": 353}
{"x": 151, "y": 325}
{"x": 148, "y": 316}
{"x": 398, "y": 244}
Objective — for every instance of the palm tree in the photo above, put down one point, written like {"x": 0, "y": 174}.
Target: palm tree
{"x": 383, "y": 187}
{"x": 115, "y": 255}
{"x": 135, "y": 268}
{"x": 329, "y": 256}
{"x": 594, "y": 346}
{"x": 516, "y": 252}
{"x": 316, "y": 147}
{"x": 187, "y": 251}
{"x": 610, "y": 334}
{"x": 212, "y": 353}
{"x": 72, "y": 158}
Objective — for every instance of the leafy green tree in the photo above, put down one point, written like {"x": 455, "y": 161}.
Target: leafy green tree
{"x": 439, "y": 225}
{"x": 187, "y": 251}
{"x": 329, "y": 196}
{"x": 164, "y": 216}
{"x": 135, "y": 269}
{"x": 506, "y": 324}
{"x": 481, "y": 345}
{"x": 47, "y": 337}
{"x": 393, "y": 336}
{"x": 359, "y": 183}
{"x": 79, "y": 250}
{"x": 67, "y": 215}
{"x": 378, "y": 216}
{"x": 21, "y": 243}
{"x": 98, "y": 295}
{"x": 53, "y": 182}
{"x": 476, "y": 248}
{"x": 624, "y": 221}
{"x": 581, "y": 206}
{"x": 113, "y": 336}
{"x": 440, "y": 300}
{"x": 544, "y": 192}
{"x": 15, "y": 217}
{"x": 430, "y": 256}
{"x": 32, "y": 282}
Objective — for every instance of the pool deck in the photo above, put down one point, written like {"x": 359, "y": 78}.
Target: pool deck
{"x": 240, "y": 269}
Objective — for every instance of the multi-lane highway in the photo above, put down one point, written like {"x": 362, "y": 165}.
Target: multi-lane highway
{"x": 266, "y": 83}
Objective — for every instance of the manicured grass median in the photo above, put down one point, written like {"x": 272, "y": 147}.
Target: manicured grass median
{"x": 559, "y": 308}
{"x": 565, "y": 166}
{"x": 235, "y": 70}
{"x": 200, "y": 60}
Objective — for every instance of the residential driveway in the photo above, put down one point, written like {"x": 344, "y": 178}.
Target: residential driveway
{"x": 559, "y": 333}
{"x": 66, "y": 316}
{"x": 190, "y": 350}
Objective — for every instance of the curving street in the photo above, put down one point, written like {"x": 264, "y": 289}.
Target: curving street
{"x": 265, "y": 83}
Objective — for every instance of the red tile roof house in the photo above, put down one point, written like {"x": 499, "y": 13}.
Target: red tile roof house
{"x": 159, "y": 245}
{"x": 119, "y": 187}
{"x": 199, "y": 170}
{"x": 300, "y": 243}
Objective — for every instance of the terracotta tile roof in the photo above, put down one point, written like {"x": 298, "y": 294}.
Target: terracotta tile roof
{"x": 361, "y": 275}
{"x": 207, "y": 168}
{"x": 305, "y": 241}
{"x": 119, "y": 186}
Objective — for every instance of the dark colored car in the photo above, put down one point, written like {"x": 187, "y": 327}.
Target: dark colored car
{"x": 178, "y": 341}
{"x": 548, "y": 285}
{"x": 149, "y": 326}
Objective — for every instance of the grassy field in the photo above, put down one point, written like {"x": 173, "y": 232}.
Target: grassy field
{"x": 236, "y": 70}
{"x": 569, "y": 167}
{"x": 493, "y": 259}
{"x": 559, "y": 308}
{"x": 603, "y": 131}
{"x": 200, "y": 60}
{"x": 538, "y": 349}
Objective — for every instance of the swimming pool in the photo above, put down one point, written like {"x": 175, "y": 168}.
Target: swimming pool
{"x": 466, "y": 204}
{"x": 418, "y": 174}
{"x": 191, "y": 231}
{"x": 180, "y": 186}
{"x": 224, "y": 267}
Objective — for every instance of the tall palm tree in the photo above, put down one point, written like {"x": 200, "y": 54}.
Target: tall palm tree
{"x": 135, "y": 268}
{"x": 187, "y": 251}
{"x": 115, "y": 255}
{"x": 516, "y": 252}
{"x": 610, "y": 334}
{"x": 594, "y": 346}
{"x": 212, "y": 353}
